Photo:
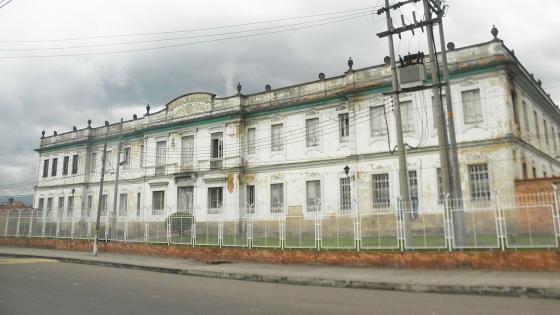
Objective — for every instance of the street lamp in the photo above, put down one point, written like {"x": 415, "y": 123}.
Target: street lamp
{"x": 347, "y": 171}
{"x": 73, "y": 191}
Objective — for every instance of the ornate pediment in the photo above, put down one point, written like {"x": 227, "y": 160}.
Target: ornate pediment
{"x": 191, "y": 104}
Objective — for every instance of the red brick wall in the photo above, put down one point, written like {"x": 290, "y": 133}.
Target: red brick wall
{"x": 533, "y": 260}
{"x": 536, "y": 196}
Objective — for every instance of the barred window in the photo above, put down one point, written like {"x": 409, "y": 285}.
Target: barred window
{"x": 251, "y": 140}
{"x": 215, "y": 200}
{"x": 313, "y": 191}
{"x": 381, "y": 195}
{"x": 472, "y": 108}
{"x": 60, "y": 211}
{"x": 553, "y": 136}
{"x": 65, "y": 163}
{"x": 407, "y": 116}
{"x": 524, "y": 170}
{"x": 70, "y": 206}
{"x": 158, "y": 202}
{"x": 479, "y": 182}
{"x": 277, "y": 198}
{"x": 49, "y": 206}
{"x": 103, "y": 204}
{"x": 345, "y": 196}
{"x": 123, "y": 204}
{"x": 185, "y": 199}
{"x": 277, "y": 141}
{"x": 250, "y": 199}
{"x": 187, "y": 151}
{"x": 41, "y": 205}
{"x": 89, "y": 206}
{"x": 344, "y": 127}
{"x": 378, "y": 125}
{"x": 312, "y": 132}
{"x": 138, "y": 205}
{"x": 413, "y": 190}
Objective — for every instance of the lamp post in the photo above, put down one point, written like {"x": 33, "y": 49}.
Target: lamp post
{"x": 347, "y": 171}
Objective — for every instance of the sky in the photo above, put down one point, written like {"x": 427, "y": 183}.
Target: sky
{"x": 85, "y": 79}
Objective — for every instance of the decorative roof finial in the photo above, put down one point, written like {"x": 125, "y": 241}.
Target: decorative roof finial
{"x": 74, "y": 128}
{"x": 55, "y": 133}
{"x": 321, "y": 76}
{"x": 89, "y": 123}
{"x": 268, "y": 88}
{"x": 148, "y": 109}
{"x": 494, "y": 32}
{"x": 43, "y": 134}
{"x": 106, "y": 123}
{"x": 350, "y": 64}
{"x": 134, "y": 117}
{"x": 239, "y": 88}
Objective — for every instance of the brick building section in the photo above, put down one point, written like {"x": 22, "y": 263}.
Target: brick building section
{"x": 529, "y": 260}
{"x": 535, "y": 198}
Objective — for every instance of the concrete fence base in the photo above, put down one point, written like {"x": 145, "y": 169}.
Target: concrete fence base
{"x": 526, "y": 260}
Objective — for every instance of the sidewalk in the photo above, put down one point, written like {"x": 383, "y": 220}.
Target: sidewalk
{"x": 531, "y": 284}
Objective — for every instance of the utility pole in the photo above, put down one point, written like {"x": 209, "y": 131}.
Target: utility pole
{"x": 403, "y": 168}
{"x": 98, "y": 219}
{"x": 113, "y": 225}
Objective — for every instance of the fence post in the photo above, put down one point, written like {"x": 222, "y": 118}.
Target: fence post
{"x": 557, "y": 211}
{"x": 43, "y": 225}
{"x": 17, "y": 225}
{"x": 30, "y": 224}
{"x": 125, "y": 236}
{"x": 401, "y": 231}
{"x": 501, "y": 222}
{"x": 146, "y": 226}
{"x": 168, "y": 227}
{"x": 448, "y": 217}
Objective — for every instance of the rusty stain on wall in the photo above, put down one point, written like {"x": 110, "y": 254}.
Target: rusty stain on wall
{"x": 229, "y": 183}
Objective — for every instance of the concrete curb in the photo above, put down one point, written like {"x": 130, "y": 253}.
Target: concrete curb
{"x": 492, "y": 290}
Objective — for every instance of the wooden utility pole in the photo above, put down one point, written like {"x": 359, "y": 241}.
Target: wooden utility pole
{"x": 113, "y": 225}
{"x": 98, "y": 219}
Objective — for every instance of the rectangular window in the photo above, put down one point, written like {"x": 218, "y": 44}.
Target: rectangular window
{"x": 313, "y": 192}
{"x": 344, "y": 127}
{"x": 251, "y": 140}
{"x": 41, "y": 205}
{"x": 472, "y": 108}
{"x": 45, "y": 168}
{"x": 553, "y": 136}
{"x": 89, "y": 207}
{"x": 277, "y": 198}
{"x": 65, "y": 163}
{"x": 161, "y": 153}
{"x": 60, "y": 211}
{"x": 158, "y": 202}
{"x": 142, "y": 156}
{"x": 536, "y": 117}
{"x": 381, "y": 195}
{"x": 103, "y": 204}
{"x": 312, "y": 132}
{"x": 534, "y": 172}
{"x": 215, "y": 200}
{"x": 277, "y": 141}
{"x": 49, "y": 206}
{"x": 439, "y": 186}
{"x": 185, "y": 199}
{"x": 479, "y": 182}
{"x": 123, "y": 204}
{"x": 250, "y": 199}
{"x": 413, "y": 190}
{"x": 70, "y": 206}
{"x": 546, "y": 132}
{"x": 217, "y": 146}
{"x": 93, "y": 162}
{"x": 407, "y": 116}
{"x": 345, "y": 197}
{"x": 525, "y": 116}
{"x": 377, "y": 122}
{"x": 187, "y": 152}
{"x": 138, "y": 204}
{"x": 126, "y": 158}
{"x": 75, "y": 164}
{"x": 54, "y": 166}
{"x": 524, "y": 170}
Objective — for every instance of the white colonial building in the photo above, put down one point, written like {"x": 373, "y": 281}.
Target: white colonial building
{"x": 283, "y": 151}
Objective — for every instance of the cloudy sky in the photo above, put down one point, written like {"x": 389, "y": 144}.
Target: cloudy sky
{"x": 55, "y": 93}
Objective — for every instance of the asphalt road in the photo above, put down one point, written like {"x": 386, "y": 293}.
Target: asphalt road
{"x": 29, "y": 286}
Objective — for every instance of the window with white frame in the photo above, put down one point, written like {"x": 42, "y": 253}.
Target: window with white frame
{"x": 187, "y": 151}
{"x": 93, "y": 162}
{"x": 536, "y": 117}
{"x": 479, "y": 182}
{"x": 54, "y": 166}
{"x": 75, "y": 164}
{"x": 158, "y": 202}
{"x": 185, "y": 199}
{"x": 123, "y": 204}
{"x": 46, "y": 168}
{"x": 345, "y": 196}
{"x": 161, "y": 155}
{"x": 138, "y": 204}
{"x": 276, "y": 139}
{"x": 381, "y": 194}
{"x": 49, "y": 206}
{"x": 312, "y": 132}
{"x": 546, "y": 132}
{"x": 250, "y": 199}
{"x": 41, "y": 205}
{"x": 89, "y": 206}
{"x": 525, "y": 116}
{"x": 407, "y": 116}
{"x": 142, "y": 155}
{"x": 277, "y": 198}
{"x": 70, "y": 206}
{"x": 472, "y": 107}
{"x": 553, "y": 136}
{"x": 103, "y": 204}
{"x": 60, "y": 212}
{"x": 251, "y": 140}
{"x": 377, "y": 122}
{"x": 65, "y": 163}
{"x": 413, "y": 190}
{"x": 126, "y": 158}
{"x": 344, "y": 127}
{"x": 217, "y": 150}
{"x": 215, "y": 200}
{"x": 313, "y": 195}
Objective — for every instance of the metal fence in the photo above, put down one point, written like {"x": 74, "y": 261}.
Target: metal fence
{"x": 527, "y": 221}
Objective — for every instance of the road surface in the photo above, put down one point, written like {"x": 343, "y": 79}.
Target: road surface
{"x": 39, "y": 286}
